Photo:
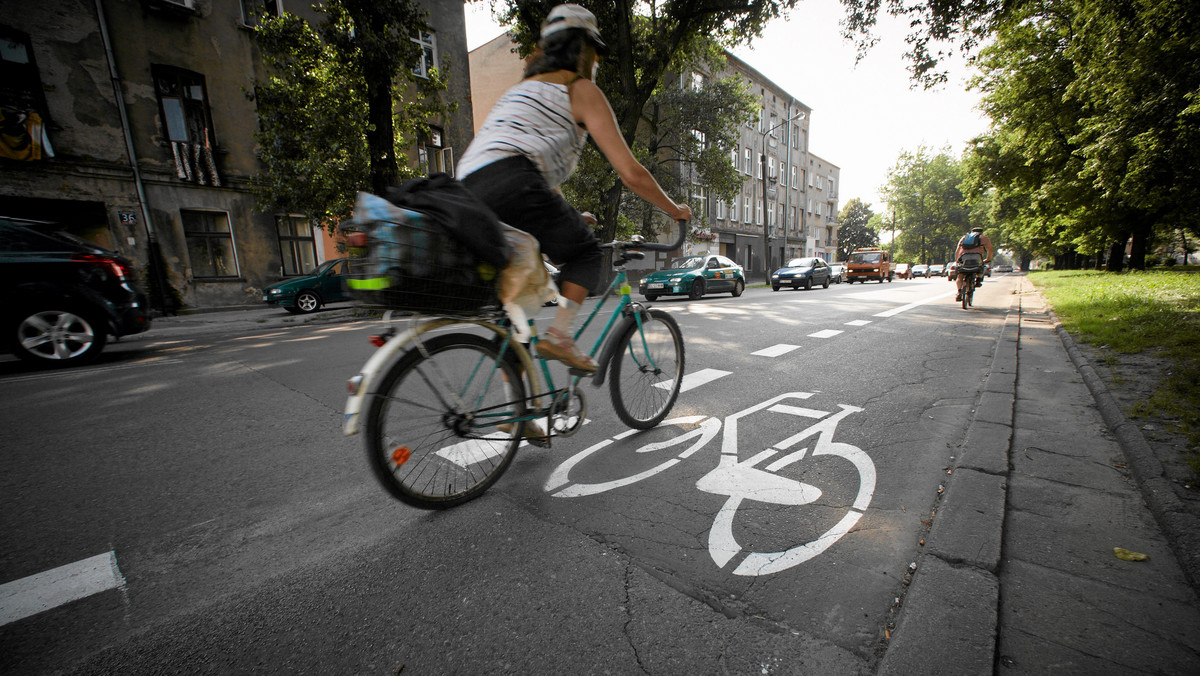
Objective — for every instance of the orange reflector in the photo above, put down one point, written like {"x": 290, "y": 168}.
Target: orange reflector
{"x": 401, "y": 455}
{"x": 377, "y": 341}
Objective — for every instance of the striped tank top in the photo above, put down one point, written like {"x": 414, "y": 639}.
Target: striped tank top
{"x": 534, "y": 120}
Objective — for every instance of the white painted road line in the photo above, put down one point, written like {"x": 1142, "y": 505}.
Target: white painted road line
{"x": 775, "y": 350}
{"x": 31, "y": 595}
{"x": 827, "y": 333}
{"x": 694, "y": 380}
{"x": 895, "y": 311}
{"x": 859, "y": 322}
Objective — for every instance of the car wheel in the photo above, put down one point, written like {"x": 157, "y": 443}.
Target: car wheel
{"x": 808, "y": 284}
{"x": 58, "y": 337}
{"x": 697, "y": 289}
{"x": 825, "y": 284}
{"x": 774, "y": 287}
{"x": 650, "y": 297}
{"x": 738, "y": 287}
{"x": 308, "y": 301}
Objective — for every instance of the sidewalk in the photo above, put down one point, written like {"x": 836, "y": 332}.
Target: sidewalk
{"x": 246, "y": 318}
{"x": 1019, "y": 573}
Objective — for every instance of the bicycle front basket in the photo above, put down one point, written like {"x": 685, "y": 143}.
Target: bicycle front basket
{"x": 411, "y": 263}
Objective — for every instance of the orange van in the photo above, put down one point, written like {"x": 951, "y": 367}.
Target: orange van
{"x": 869, "y": 264}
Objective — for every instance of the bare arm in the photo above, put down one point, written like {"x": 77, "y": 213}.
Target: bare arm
{"x": 592, "y": 110}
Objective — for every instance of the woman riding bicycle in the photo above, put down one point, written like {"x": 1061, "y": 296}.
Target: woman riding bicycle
{"x": 531, "y": 143}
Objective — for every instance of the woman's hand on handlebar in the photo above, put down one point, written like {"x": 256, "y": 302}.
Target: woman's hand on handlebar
{"x": 683, "y": 213}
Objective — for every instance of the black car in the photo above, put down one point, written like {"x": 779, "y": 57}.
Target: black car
{"x": 63, "y": 296}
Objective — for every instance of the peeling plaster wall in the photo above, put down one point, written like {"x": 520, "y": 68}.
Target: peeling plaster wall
{"x": 89, "y": 184}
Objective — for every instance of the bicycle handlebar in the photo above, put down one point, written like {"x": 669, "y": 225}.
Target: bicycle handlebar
{"x": 652, "y": 246}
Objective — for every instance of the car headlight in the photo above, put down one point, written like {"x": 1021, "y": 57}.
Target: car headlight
{"x": 276, "y": 292}
{"x": 676, "y": 280}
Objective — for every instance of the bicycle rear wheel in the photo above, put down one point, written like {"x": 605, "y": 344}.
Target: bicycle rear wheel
{"x": 647, "y": 370}
{"x": 432, "y": 432}
{"x": 967, "y": 288}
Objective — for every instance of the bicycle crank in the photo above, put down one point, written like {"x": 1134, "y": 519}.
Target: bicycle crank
{"x": 569, "y": 412}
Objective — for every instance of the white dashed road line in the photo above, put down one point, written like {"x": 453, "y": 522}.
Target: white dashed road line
{"x": 859, "y": 322}
{"x": 775, "y": 350}
{"x": 827, "y": 333}
{"x": 694, "y": 380}
{"x": 31, "y": 595}
{"x": 895, "y": 311}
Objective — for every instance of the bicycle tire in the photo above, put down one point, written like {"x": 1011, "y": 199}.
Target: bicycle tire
{"x": 971, "y": 293}
{"x": 962, "y": 296}
{"x": 420, "y": 442}
{"x": 644, "y": 390}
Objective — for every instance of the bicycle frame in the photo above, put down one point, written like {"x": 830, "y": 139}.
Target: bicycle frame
{"x": 366, "y": 382}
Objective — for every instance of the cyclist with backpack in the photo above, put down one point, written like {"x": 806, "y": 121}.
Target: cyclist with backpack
{"x": 978, "y": 250}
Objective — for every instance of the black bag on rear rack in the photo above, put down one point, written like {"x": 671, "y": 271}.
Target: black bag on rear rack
{"x": 402, "y": 259}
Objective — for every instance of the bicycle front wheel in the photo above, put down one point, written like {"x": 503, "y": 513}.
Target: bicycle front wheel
{"x": 435, "y": 429}
{"x": 647, "y": 370}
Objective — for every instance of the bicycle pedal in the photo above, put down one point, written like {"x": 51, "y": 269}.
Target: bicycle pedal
{"x": 580, "y": 372}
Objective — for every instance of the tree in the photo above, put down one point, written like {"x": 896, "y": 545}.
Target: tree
{"x": 339, "y": 105}
{"x": 937, "y": 27}
{"x": 930, "y": 208}
{"x": 854, "y": 229}
{"x": 685, "y": 140}
{"x": 646, "y": 40}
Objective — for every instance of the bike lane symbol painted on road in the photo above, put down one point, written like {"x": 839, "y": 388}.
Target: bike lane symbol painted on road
{"x": 745, "y": 481}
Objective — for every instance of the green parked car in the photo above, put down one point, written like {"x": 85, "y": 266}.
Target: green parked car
{"x": 301, "y": 295}
{"x": 694, "y": 276}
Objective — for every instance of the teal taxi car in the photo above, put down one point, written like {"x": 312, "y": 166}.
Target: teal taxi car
{"x": 694, "y": 276}
{"x": 301, "y": 295}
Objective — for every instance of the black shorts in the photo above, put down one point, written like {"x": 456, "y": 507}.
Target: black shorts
{"x": 514, "y": 189}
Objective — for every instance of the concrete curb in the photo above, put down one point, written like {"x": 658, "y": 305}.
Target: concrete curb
{"x": 1181, "y": 527}
{"x": 950, "y": 615}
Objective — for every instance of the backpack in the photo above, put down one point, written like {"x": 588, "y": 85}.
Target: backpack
{"x": 973, "y": 240}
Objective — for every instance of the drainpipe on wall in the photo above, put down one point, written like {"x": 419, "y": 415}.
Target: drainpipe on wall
{"x": 154, "y": 254}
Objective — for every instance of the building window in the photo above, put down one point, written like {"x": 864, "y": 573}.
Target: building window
{"x": 747, "y": 214}
{"x": 733, "y": 158}
{"x": 733, "y": 211}
{"x": 297, "y": 246}
{"x": 210, "y": 244}
{"x": 432, "y": 154}
{"x": 758, "y": 166}
{"x": 810, "y": 183}
{"x": 253, "y": 11}
{"x": 23, "y": 110}
{"x": 794, "y": 184}
{"x": 793, "y": 221}
{"x": 758, "y": 212}
{"x": 795, "y": 138}
{"x": 720, "y": 210}
{"x": 746, "y": 162}
{"x": 700, "y": 199}
{"x": 773, "y": 130}
{"x": 820, "y": 182}
{"x": 183, "y": 104}
{"x": 831, "y": 190}
{"x": 428, "y": 58}
{"x": 771, "y": 167}
{"x": 697, "y": 82}
{"x": 762, "y": 120}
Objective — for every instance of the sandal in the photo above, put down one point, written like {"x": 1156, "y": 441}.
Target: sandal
{"x": 534, "y": 434}
{"x": 559, "y": 347}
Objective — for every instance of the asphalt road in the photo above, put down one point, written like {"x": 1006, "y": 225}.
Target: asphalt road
{"x": 771, "y": 532}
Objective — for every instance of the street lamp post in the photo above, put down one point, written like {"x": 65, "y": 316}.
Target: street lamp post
{"x": 763, "y": 161}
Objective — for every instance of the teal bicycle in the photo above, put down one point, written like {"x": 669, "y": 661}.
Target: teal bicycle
{"x": 446, "y": 403}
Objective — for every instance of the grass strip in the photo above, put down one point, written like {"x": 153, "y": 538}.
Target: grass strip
{"x": 1156, "y": 311}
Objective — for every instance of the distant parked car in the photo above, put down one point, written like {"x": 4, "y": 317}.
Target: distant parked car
{"x": 937, "y": 270}
{"x": 63, "y": 296}
{"x": 801, "y": 272}
{"x": 920, "y": 271}
{"x": 1004, "y": 268}
{"x": 903, "y": 271}
{"x": 300, "y": 295}
{"x": 837, "y": 272}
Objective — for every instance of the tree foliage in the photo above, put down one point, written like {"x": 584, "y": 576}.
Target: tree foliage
{"x": 930, "y": 209}
{"x": 855, "y": 229}
{"x": 647, "y": 41}
{"x": 340, "y": 104}
{"x": 1096, "y": 129}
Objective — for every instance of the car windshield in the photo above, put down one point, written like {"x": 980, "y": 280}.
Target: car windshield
{"x": 686, "y": 263}
{"x": 800, "y": 263}
{"x": 873, "y": 257}
{"x": 320, "y": 269}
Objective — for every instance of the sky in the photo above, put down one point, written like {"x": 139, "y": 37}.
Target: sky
{"x": 864, "y": 116}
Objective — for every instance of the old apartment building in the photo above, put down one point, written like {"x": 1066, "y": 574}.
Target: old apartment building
{"x": 797, "y": 203}
{"x": 131, "y": 122}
